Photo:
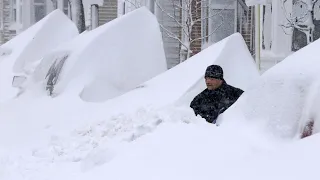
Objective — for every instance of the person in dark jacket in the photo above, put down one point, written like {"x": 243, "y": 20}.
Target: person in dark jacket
{"x": 217, "y": 97}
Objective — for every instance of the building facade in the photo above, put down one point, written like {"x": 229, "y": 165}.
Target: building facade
{"x": 212, "y": 20}
{"x": 108, "y": 11}
{"x": 287, "y": 26}
{"x": 18, "y": 15}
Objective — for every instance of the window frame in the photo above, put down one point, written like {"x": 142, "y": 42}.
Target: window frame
{"x": 35, "y": 4}
{"x": 13, "y": 11}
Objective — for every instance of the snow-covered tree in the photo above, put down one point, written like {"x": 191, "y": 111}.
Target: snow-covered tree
{"x": 188, "y": 15}
{"x": 301, "y": 17}
{"x": 77, "y": 14}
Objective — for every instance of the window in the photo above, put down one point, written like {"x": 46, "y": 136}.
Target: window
{"x": 66, "y": 7}
{"x": 1, "y": 20}
{"x": 316, "y": 11}
{"x": 13, "y": 11}
{"x": 39, "y": 9}
{"x": 222, "y": 20}
{"x": 1, "y": 26}
{"x": 20, "y": 13}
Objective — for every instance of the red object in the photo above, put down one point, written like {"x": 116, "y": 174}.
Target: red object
{"x": 308, "y": 129}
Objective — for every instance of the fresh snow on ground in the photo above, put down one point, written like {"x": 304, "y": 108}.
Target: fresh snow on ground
{"x": 151, "y": 133}
{"x": 64, "y": 131}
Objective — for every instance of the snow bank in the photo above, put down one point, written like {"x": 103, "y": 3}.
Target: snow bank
{"x": 46, "y": 39}
{"x": 23, "y": 53}
{"x": 238, "y": 65}
{"x": 66, "y": 138}
{"x": 180, "y": 84}
{"x": 67, "y": 112}
{"x": 163, "y": 90}
{"x": 182, "y": 151}
{"x": 109, "y": 60}
{"x": 286, "y": 97}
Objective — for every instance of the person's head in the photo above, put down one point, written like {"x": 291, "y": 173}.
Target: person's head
{"x": 213, "y": 77}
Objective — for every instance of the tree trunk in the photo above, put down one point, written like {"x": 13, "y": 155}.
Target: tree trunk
{"x": 77, "y": 14}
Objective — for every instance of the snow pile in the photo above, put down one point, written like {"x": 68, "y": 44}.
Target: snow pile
{"x": 239, "y": 67}
{"x": 50, "y": 135}
{"x": 185, "y": 151}
{"x": 109, "y": 60}
{"x": 286, "y": 98}
{"x": 181, "y": 83}
{"x": 125, "y": 138}
{"x": 46, "y": 39}
{"x": 22, "y": 54}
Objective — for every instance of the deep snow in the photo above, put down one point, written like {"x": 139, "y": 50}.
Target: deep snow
{"x": 108, "y": 61}
{"x": 286, "y": 96}
{"x": 151, "y": 133}
{"x": 24, "y": 52}
{"x": 52, "y": 135}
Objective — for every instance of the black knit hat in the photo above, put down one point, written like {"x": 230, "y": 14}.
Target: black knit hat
{"x": 214, "y": 71}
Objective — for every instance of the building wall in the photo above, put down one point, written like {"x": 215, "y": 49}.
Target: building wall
{"x": 108, "y": 11}
{"x": 226, "y": 17}
{"x": 1, "y": 22}
{"x": 171, "y": 18}
{"x": 26, "y": 15}
{"x": 6, "y": 34}
{"x": 196, "y": 46}
{"x": 248, "y": 29}
{"x": 299, "y": 38}
{"x": 284, "y": 41}
{"x": 171, "y": 45}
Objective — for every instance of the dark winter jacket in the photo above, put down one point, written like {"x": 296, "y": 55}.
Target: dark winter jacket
{"x": 210, "y": 103}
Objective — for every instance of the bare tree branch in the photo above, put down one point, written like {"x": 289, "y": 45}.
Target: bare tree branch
{"x": 185, "y": 14}
{"x": 170, "y": 16}
{"x": 211, "y": 32}
{"x": 172, "y": 35}
{"x": 215, "y": 14}
{"x": 133, "y": 4}
{"x": 295, "y": 22}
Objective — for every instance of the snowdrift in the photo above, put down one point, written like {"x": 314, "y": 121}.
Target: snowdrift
{"x": 107, "y": 61}
{"x": 163, "y": 90}
{"x": 180, "y": 84}
{"x": 235, "y": 59}
{"x": 286, "y": 97}
{"x": 67, "y": 138}
{"x": 46, "y": 39}
{"x": 189, "y": 151}
{"x": 23, "y": 53}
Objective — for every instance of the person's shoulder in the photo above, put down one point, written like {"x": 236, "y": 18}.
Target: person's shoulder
{"x": 201, "y": 94}
{"x": 235, "y": 89}
{"x": 238, "y": 89}
{"x": 198, "y": 98}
